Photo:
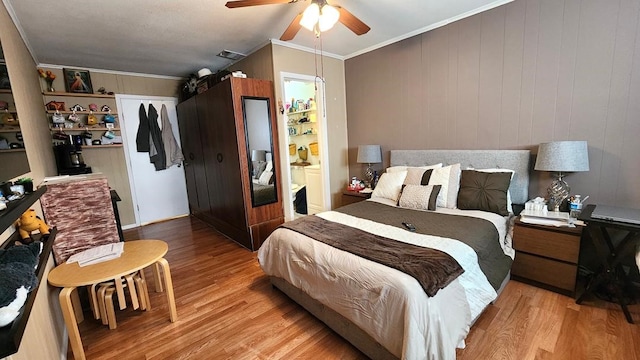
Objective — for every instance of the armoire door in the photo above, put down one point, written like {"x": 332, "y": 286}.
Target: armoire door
{"x": 196, "y": 177}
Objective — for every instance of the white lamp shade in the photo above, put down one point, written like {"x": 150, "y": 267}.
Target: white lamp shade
{"x": 328, "y": 17}
{"x": 563, "y": 156}
{"x": 310, "y": 16}
{"x": 369, "y": 154}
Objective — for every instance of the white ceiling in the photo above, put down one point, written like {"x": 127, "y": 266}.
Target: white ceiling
{"x": 176, "y": 38}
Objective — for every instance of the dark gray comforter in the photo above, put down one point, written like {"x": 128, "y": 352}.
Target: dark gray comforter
{"x": 481, "y": 235}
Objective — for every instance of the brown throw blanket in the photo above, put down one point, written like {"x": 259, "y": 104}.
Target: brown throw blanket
{"x": 432, "y": 268}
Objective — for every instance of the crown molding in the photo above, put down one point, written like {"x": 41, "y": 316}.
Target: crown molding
{"x": 305, "y": 49}
{"x": 114, "y": 72}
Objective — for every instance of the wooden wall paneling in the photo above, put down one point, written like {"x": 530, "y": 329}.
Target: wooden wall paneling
{"x": 468, "y": 79}
{"x": 528, "y": 76}
{"x": 627, "y": 191}
{"x": 567, "y": 69}
{"x": 570, "y": 71}
{"x": 617, "y": 110}
{"x": 452, "y": 86}
{"x": 111, "y": 163}
{"x": 433, "y": 91}
{"x": 512, "y": 74}
{"x": 592, "y": 87}
{"x": 546, "y": 71}
{"x": 490, "y": 77}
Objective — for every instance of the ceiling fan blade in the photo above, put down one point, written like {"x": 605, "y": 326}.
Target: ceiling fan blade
{"x": 353, "y": 23}
{"x": 244, "y": 3}
{"x": 292, "y": 30}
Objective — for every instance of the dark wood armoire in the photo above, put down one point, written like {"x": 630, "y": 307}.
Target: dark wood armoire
{"x": 220, "y": 129}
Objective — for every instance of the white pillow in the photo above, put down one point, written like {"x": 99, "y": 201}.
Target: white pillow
{"x": 449, "y": 178}
{"x": 269, "y": 166}
{"x": 389, "y": 185}
{"x": 404, "y": 168}
{"x": 265, "y": 177}
{"x": 509, "y": 207}
{"x": 419, "y": 197}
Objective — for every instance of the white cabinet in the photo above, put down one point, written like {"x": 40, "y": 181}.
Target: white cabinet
{"x": 315, "y": 195}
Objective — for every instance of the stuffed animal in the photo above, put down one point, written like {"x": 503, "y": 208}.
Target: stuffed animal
{"x": 17, "y": 278}
{"x": 30, "y": 222}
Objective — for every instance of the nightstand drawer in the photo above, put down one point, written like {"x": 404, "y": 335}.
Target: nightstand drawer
{"x": 551, "y": 244}
{"x": 554, "y": 273}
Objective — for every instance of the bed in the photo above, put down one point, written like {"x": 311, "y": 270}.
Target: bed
{"x": 379, "y": 308}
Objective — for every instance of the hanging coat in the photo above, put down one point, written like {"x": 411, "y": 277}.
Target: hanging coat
{"x": 142, "y": 137}
{"x": 156, "y": 147}
{"x": 171, "y": 148}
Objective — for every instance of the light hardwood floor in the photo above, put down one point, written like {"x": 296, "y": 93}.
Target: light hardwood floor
{"x": 228, "y": 310}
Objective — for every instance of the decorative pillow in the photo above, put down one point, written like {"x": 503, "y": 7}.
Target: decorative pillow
{"x": 509, "y": 205}
{"x": 269, "y": 166}
{"x": 426, "y": 176}
{"x": 389, "y": 185}
{"x": 265, "y": 178}
{"x": 419, "y": 197}
{"x": 484, "y": 191}
{"x": 414, "y": 176}
{"x": 449, "y": 178}
{"x": 259, "y": 167}
{"x": 404, "y": 168}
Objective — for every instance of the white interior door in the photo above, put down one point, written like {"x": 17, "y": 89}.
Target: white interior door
{"x": 157, "y": 195}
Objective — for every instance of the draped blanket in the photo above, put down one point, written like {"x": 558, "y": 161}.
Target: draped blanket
{"x": 433, "y": 269}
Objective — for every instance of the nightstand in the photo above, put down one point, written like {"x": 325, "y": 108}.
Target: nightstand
{"x": 547, "y": 256}
{"x": 350, "y": 197}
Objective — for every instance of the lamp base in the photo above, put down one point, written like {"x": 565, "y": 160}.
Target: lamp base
{"x": 368, "y": 176}
{"x": 558, "y": 192}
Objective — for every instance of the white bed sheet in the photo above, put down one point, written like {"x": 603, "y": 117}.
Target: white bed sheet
{"x": 388, "y": 304}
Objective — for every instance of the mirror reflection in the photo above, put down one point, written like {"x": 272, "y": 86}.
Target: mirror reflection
{"x": 13, "y": 158}
{"x": 257, "y": 122}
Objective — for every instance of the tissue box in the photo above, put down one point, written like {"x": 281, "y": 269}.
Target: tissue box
{"x": 535, "y": 205}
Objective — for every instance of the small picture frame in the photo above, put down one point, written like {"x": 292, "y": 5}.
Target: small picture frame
{"x": 4, "y": 77}
{"x": 77, "y": 81}
{"x": 109, "y": 125}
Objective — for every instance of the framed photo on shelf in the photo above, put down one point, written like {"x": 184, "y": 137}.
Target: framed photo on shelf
{"x": 4, "y": 77}
{"x": 77, "y": 81}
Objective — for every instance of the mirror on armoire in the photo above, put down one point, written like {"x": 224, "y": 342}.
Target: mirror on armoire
{"x": 257, "y": 124}
{"x": 13, "y": 158}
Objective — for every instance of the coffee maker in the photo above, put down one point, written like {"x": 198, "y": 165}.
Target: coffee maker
{"x": 69, "y": 156}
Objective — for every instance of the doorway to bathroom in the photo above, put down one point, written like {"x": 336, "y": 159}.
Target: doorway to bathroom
{"x": 306, "y": 170}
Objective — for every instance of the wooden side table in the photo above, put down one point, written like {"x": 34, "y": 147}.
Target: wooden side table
{"x": 547, "y": 256}
{"x": 350, "y": 197}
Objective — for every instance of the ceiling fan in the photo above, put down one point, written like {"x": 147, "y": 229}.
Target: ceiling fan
{"x": 317, "y": 17}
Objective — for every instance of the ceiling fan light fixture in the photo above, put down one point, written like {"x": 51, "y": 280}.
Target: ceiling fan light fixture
{"x": 310, "y": 16}
{"x": 328, "y": 17}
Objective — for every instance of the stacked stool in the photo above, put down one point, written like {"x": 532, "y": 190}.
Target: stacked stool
{"x": 101, "y": 297}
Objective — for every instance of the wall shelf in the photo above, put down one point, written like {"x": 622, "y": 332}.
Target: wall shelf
{"x": 11, "y": 335}
{"x": 82, "y": 112}
{"x": 48, "y": 93}
{"x": 83, "y": 129}
{"x": 86, "y": 147}
{"x": 3, "y": 130}
{"x": 300, "y": 112}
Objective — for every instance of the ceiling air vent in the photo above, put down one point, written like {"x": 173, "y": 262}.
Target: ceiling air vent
{"x": 231, "y": 55}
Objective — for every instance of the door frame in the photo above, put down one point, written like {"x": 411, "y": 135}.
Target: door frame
{"x": 323, "y": 141}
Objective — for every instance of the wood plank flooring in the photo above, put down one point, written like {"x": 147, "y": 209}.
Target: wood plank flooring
{"x": 227, "y": 309}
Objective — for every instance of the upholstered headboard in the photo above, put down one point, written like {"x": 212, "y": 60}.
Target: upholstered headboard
{"x": 516, "y": 160}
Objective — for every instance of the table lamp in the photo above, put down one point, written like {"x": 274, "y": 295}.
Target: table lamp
{"x": 369, "y": 154}
{"x": 561, "y": 156}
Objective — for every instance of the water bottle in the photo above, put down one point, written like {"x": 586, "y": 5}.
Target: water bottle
{"x": 575, "y": 207}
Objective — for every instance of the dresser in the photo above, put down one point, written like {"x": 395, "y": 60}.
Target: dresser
{"x": 546, "y": 256}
